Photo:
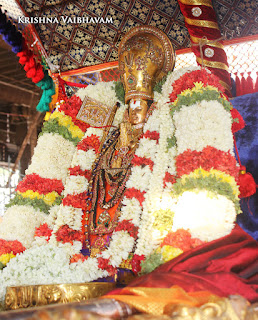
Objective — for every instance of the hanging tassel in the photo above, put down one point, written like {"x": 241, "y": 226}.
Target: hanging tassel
{"x": 256, "y": 83}
{"x": 233, "y": 87}
{"x": 238, "y": 121}
{"x": 238, "y": 86}
{"x": 249, "y": 84}
{"x": 242, "y": 83}
{"x": 247, "y": 185}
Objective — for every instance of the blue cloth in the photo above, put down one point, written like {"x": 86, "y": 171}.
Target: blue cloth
{"x": 247, "y": 144}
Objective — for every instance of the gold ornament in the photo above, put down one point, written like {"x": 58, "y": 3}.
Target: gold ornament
{"x": 145, "y": 56}
{"x": 40, "y": 295}
{"x": 232, "y": 308}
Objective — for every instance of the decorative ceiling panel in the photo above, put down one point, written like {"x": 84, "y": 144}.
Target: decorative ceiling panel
{"x": 75, "y": 45}
{"x": 237, "y": 18}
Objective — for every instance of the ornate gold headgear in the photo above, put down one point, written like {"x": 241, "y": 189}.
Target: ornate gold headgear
{"x": 145, "y": 56}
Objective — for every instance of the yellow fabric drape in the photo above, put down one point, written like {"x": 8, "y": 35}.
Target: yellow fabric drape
{"x": 155, "y": 300}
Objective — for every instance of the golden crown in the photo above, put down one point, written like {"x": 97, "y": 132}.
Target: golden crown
{"x": 145, "y": 56}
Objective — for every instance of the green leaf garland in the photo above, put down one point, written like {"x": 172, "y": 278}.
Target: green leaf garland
{"x": 37, "y": 204}
{"x": 52, "y": 126}
{"x": 211, "y": 183}
{"x": 193, "y": 97}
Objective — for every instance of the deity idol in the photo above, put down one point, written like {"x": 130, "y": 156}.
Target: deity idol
{"x": 146, "y": 55}
{"x": 160, "y": 187}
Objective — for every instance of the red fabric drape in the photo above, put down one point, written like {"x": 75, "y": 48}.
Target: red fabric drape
{"x": 225, "y": 266}
{"x": 205, "y": 26}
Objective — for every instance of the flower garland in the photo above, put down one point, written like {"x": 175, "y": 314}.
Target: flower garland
{"x": 71, "y": 212}
{"x": 191, "y": 213}
{"x": 206, "y": 168}
{"x": 59, "y": 123}
{"x": 19, "y": 223}
{"x": 145, "y": 200}
{"x": 212, "y": 180}
{"x": 198, "y": 93}
{"x": 207, "y": 159}
{"x": 123, "y": 233}
{"x": 42, "y": 187}
{"x": 8, "y": 250}
{"x": 203, "y": 177}
{"x": 203, "y": 124}
{"x": 174, "y": 244}
{"x": 188, "y": 81}
{"x": 123, "y": 238}
{"x": 162, "y": 123}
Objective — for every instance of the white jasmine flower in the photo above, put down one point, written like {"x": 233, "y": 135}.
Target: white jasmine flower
{"x": 52, "y": 157}
{"x": 207, "y": 216}
{"x": 19, "y": 223}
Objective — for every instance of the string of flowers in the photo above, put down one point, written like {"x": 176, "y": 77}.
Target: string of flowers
{"x": 207, "y": 171}
{"x": 68, "y": 220}
{"x": 203, "y": 179}
{"x": 145, "y": 201}
{"x": 41, "y": 189}
{"x": 92, "y": 268}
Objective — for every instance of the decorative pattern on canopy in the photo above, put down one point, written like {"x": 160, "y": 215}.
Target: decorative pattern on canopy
{"x": 77, "y": 45}
{"x": 73, "y": 46}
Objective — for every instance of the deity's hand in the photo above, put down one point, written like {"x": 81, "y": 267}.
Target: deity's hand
{"x": 125, "y": 134}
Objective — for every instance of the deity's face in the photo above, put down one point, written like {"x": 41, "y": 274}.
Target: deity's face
{"x": 137, "y": 111}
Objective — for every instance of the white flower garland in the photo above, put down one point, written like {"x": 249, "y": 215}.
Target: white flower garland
{"x": 19, "y": 223}
{"x": 203, "y": 124}
{"x": 146, "y": 242}
{"x": 76, "y": 185}
{"x": 47, "y": 264}
{"x": 52, "y": 157}
{"x": 213, "y": 219}
{"x": 67, "y": 214}
{"x": 151, "y": 182}
{"x": 70, "y": 216}
{"x": 101, "y": 91}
